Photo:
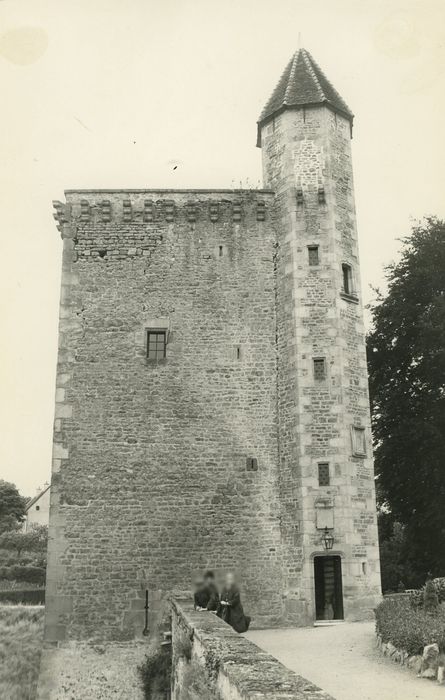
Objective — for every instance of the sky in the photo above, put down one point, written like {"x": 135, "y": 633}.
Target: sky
{"x": 109, "y": 94}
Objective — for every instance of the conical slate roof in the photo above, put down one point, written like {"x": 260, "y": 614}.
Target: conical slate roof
{"x": 302, "y": 83}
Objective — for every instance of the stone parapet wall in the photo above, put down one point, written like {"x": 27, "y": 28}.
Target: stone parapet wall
{"x": 225, "y": 666}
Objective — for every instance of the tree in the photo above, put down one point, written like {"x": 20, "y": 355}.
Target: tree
{"x": 395, "y": 561}
{"x": 406, "y": 362}
{"x": 35, "y": 540}
{"x": 12, "y": 507}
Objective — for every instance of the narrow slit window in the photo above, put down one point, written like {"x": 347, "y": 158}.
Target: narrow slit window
{"x": 347, "y": 279}
{"x": 319, "y": 369}
{"x": 323, "y": 474}
{"x": 156, "y": 345}
{"x": 313, "y": 255}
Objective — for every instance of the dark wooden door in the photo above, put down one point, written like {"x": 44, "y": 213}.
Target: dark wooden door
{"x": 328, "y": 588}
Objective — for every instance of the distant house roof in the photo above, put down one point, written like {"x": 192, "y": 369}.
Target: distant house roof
{"x": 37, "y": 497}
{"x": 303, "y": 83}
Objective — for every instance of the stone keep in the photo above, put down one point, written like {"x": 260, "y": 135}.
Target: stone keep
{"x": 209, "y": 456}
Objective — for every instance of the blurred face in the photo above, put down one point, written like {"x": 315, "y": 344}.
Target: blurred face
{"x": 230, "y": 579}
{"x": 199, "y": 582}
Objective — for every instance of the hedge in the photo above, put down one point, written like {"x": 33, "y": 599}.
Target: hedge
{"x": 27, "y": 574}
{"x": 418, "y": 597}
{"x": 11, "y": 559}
{"x": 35, "y": 596}
{"x": 409, "y": 628}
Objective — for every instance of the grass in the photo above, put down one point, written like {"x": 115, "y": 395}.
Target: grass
{"x": 21, "y": 633}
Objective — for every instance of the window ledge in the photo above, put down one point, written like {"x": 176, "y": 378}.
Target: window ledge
{"x": 352, "y": 298}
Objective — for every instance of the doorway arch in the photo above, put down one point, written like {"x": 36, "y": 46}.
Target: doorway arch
{"x": 328, "y": 584}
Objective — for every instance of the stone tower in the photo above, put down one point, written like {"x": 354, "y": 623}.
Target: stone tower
{"x": 326, "y": 466}
{"x": 211, "y": 401}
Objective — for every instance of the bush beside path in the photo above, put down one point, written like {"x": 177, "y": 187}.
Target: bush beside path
{"x": 343, "y": 660}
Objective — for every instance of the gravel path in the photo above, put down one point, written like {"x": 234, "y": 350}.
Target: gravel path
{"x": 344, "y": 661}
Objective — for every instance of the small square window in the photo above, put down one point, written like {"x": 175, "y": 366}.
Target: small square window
{"x": 156, "y": 345}
{"x": 347, "y": 279}
{"x": 319, "y": 369}
{"x": 323, "y": 474}
{"x": 358, "y": 441}
{"x": 313, "y": 255}
{"x": 37, "y": 507}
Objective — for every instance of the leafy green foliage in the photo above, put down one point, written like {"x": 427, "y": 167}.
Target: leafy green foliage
{"x": 196, "y": 685}
{"x": 198, "y": 681}
{"x": 406, "y": 361}
{"x": 35, "y": 540}
{"x": 409, "y": 628}
{"x": 430, "y": 597}
{"x": 434, "y": 596}
{"x": 12, "y": 507}
{"x": 10, "y": 558}
{"x": 416, "y": 598}
{"x": 28, "y": 574}
{"x": 395, "y": 567}
{"x": 155, "y": 673}
{"x": 439, "y": 585}
{"x": 6, "y": 585}
{"x": 183, "y": 647}
{"x": 23, "y": 557}
{"x": 32, "y": 596}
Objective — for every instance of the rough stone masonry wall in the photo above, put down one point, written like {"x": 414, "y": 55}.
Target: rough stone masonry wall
{"x": 307, "y": 160}
{"x": 220, "y": 664}
{"x": 151, "y": 478}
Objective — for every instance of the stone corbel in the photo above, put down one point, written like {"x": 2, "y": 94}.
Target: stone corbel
{"x": 260, "y": 211}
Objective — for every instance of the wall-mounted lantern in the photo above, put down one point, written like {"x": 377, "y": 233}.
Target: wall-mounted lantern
{"x": 327, "y": 539}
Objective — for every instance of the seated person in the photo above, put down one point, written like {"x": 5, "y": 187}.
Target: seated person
{"x": 206, "y": 595}
{"x": 231, "y": 609}
{"x": 201, "y": 596}
{"x": 211, "y": 588}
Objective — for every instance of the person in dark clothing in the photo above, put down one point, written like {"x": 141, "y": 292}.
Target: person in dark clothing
{"x": 206, "y": 593}
{"x": 212, "y": 590}
{"x": 201, "y": 596}
{"x": 231, "y": 609}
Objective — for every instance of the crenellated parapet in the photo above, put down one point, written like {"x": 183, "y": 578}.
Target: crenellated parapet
{"x": 128, "y": 207}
